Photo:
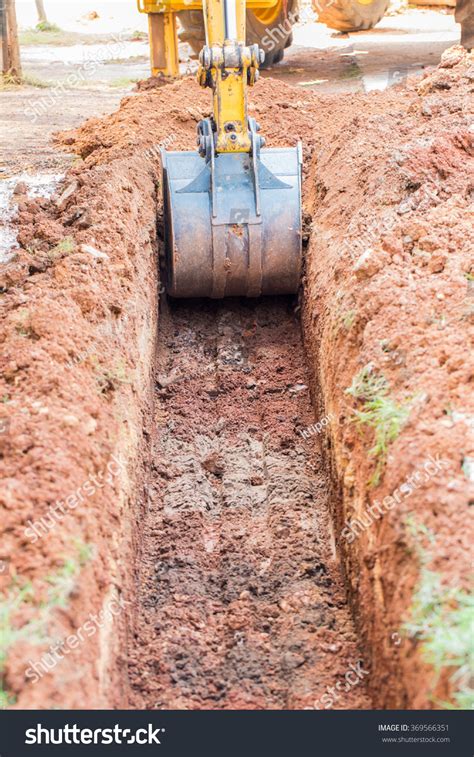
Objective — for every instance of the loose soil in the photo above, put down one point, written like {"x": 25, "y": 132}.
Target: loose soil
{"x": 79, "y": 330}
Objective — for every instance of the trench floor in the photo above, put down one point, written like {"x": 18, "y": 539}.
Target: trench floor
{"x": 240, "y": 601}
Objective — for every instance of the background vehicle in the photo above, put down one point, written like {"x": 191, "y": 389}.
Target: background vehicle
{"x": 267, "y": 21}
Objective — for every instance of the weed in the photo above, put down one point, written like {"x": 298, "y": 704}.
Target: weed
{"x": 379, "y": 412}
{"x": 6, "y": 699}
{"x": 33, "y": 81}
{"x": 7, "y": 81}
{"x": 64, "y": 247}
{"x": 352, "y": 71}
{"x": 348, "y": 319}
{"x": 60, "y": 586}
{"x": 110, "y": 379}
{"x": 22, "y": 323}
{"x": 8, "y": 607}
{"x": 441, "y": 619}
{"x": 137, "y": 34}
{"x": 46, "y": 26}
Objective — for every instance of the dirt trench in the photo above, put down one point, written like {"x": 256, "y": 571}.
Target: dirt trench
{"x": 240, "y": 598}
{"x": 387, "y": 294}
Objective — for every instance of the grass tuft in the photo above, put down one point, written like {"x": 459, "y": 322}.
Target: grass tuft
{"x": 64, "y": 247}
{"x": 46, "y": 26}
{"x": 60, "y": 587}
{"x": 442, "y": 620}
{"x": 379, "y": 412}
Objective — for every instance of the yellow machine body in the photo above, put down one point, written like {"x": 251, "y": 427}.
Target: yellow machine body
{"x": 162, "y": 27}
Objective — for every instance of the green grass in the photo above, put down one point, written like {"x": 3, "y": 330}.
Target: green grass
{"x": 47, "y": 26}
{"x": 442, "y": 621}
{"x": 122, "y": 82}
{"x": 64, "y": 247}
{"x": 56, "y": 36}
{"x": 35, "y": 631}
{"x": 52, "y": 36}
{"x": 379, "y": 412}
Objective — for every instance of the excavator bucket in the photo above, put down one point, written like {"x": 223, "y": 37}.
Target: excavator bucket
{"x": 233, "y": 223}
{"x": 232, "y": 210}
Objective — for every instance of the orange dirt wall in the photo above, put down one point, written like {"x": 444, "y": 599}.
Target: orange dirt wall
{"x": 389, "y": 288}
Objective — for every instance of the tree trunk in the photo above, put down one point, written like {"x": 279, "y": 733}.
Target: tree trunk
{"x": 11, "y": 64}
{"x": 42, "y": 19}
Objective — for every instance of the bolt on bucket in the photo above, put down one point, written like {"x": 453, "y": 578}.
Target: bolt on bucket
{"x": 232, "y": 223}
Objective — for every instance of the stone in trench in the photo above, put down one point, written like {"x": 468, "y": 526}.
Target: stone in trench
{"x": 369, "y": 263}
{"x": 65, "y": 196}
{"x": 214, "y": 464}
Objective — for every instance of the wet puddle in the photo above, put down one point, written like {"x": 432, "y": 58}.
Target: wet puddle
{"x": 39, "y": 185}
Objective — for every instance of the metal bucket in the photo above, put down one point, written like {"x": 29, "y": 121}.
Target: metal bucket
{"x": 232, "y": 224}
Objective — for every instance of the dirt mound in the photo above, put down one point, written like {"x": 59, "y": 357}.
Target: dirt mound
{"x": 388, "y": 313}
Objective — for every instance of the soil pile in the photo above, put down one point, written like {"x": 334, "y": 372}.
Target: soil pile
{"x": 388, "y": 315}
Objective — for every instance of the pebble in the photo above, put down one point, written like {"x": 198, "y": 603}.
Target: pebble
{"x": 98, "y": 254}
{"x": 298, "y": 388}
{"x": 333, "y": 648}
{"x": 367, "y": 265}
{"x": 21, "y": 188}
{"x": 70, "y": 420}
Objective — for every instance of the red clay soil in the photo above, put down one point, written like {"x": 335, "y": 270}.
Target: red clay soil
{"x": 79, "y": 320}
{"x": 77, "y": 330}
{"x": 389, "y": 287}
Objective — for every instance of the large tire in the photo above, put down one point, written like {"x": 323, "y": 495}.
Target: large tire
{"x": 351, "y": 15}
{"x": 272, "y": 36}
